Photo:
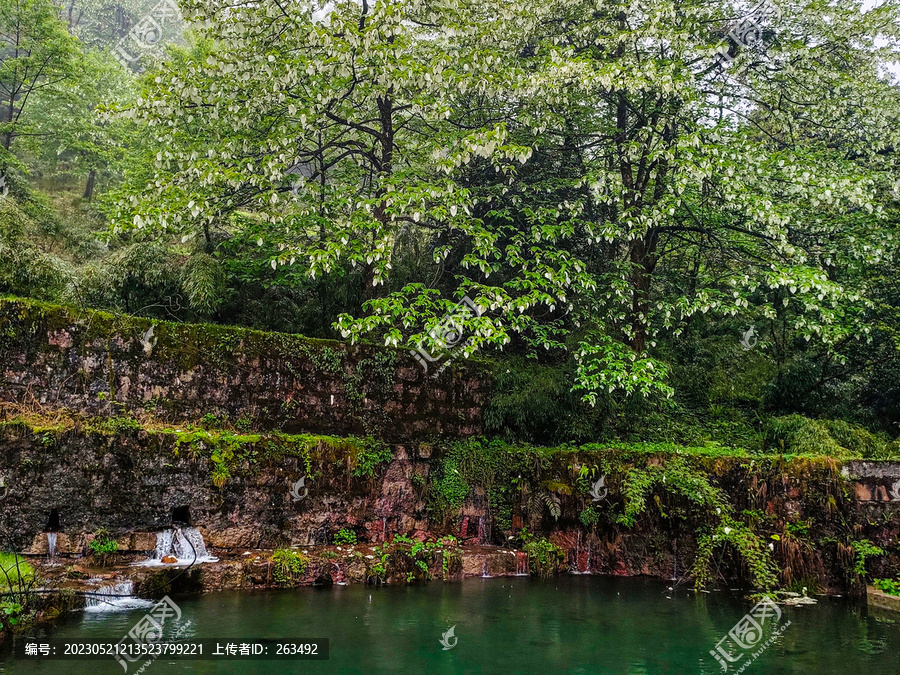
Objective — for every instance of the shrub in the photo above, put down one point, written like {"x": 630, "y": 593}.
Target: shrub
{"x": 345, "y": 536}
{"x": 289, "y": 566}
{"x": 103, "y": 547}
{"x": 545, "y": 559}
{"x": 796, "y": 434}
{"x": 889, "y": 586}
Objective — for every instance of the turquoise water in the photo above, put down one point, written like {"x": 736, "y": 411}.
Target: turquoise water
{"x": 575, "y": 624}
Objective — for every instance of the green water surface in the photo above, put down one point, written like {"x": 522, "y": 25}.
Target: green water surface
{"x": 574, "y": 624}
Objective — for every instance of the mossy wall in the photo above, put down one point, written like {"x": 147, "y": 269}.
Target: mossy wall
{"x": 111, "y": 427}
{"x": 99, "y": 363}
{"x": 656, "y": 509}
{"x": 237, "y": 487}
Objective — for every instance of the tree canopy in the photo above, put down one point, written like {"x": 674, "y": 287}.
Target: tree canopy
{"x": 589, "y": 174}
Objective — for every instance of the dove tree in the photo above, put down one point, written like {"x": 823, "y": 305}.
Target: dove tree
{"x": 592, "y": 175}
{"x": 330, "y": 131}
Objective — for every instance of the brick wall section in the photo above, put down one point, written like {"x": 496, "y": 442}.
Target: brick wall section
{"x": 98, "y": 363}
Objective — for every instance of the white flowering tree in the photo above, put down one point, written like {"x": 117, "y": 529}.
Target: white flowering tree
{"x": 591, "y": 174}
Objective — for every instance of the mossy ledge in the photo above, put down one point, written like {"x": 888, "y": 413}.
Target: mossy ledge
{"x": 766, "y": 521}
{"x": 101, "y": 363}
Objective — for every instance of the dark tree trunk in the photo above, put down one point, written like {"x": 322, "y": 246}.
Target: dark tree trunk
{"x": 89, "y": 188}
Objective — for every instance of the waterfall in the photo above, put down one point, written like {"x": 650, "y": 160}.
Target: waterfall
{"x": 484, "y": 568}
{"x": 51, "y": 545}
{"x": 582, "y": 563}
{"x": 183, "y": 543}
{"x": 339, "y": 578}
{"x": 114, "y": 598}
{"x": 521, "y": 570}
{"x": 163, "y": 544}
{"x": 482, "y": 531}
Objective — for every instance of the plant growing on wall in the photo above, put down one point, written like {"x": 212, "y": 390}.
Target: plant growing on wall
{"x": 407, "y": 560}
{"x": 288, "y": 566}
{"x": 889, "y": 586}
{"x": 345, "y": 535}
{"x": 103, "y": 547}
{"x": 710, "y": 505}
{"x": 865, "y": 549}
{"x": 545, "y": 559}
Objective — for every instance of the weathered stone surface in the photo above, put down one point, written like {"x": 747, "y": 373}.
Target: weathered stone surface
{"x": 874, "y": 481}
{"x": 882, "y": 600}
{"x": 95, "y": 363}
{"x": 133, "y": 483}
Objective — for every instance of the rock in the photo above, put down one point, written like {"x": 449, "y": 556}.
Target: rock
{"x": 169, "y": 559}
{"x": 794, "y": 602}
{"x": 137, "y": 541}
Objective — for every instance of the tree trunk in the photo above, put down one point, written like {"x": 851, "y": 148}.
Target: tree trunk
{"x": 89, "y": 188}
{"x": 643, "y": 261}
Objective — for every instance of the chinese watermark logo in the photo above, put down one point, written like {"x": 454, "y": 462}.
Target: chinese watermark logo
{"x": 295, "y": 489}
{"x": 4, "y": 188}
{"x": 146, "y": 34}
{"x": 748, "y": 33}
{"x": 148, "y": 341}
{"x": 599, "y": 489}
{"x": 449, "y": 639}
{"x": 304, "y": 171}
{"x": 749, "y": 339}
{"x": 147, "y": 630}
{"x": 448, "y": 335}
{"x": 895, "y": 490}
{"x": 747, "y": 634}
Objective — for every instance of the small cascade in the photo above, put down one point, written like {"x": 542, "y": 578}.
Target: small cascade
{"x": 51, "y": 545}
{"x": 163, "y": 544}
{"x": 521, "y": 564}
{"x": 575, "y": 568}
{"x": 339, "y": 578}
{"x": 384, "y": 528}
{"x": 482, "y": 531}
{"x": 484, "y": 568}
{"x": 185, "y": 544}
{"x": 114, "y": 598}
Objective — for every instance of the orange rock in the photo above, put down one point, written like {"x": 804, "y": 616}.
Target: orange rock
{"x": 168, "y": 559}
